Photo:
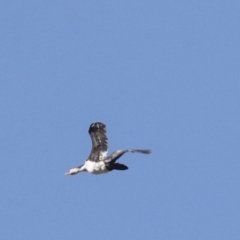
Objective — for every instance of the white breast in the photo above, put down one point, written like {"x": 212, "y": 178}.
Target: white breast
{"x": 96, "y": 167}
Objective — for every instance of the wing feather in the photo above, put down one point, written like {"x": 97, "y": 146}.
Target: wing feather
{"x": 97, "y": 132}
{"x": 117, "y": 154}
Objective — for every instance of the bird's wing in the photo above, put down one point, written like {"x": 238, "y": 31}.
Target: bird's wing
{"x": 97, "y": 132}
{"x": 117, "y": 154}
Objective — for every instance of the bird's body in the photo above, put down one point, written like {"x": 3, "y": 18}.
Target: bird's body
{"x": 98, "y": 162}
{"x": 96, "y": 167}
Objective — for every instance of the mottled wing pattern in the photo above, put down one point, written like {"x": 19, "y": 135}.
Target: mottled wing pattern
{"x": 97, "y": 132}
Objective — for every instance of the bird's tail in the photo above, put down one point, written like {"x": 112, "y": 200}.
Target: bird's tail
{"x": 117, "y": 166}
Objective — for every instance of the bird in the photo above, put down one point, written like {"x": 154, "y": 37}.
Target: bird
{"x": 98, "y": 162}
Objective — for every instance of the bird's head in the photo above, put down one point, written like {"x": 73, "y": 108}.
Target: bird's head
{"x": 72, "y": 171}
{"x": 75, "y": 170}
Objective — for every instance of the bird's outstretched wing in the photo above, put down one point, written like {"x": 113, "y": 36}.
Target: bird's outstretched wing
{"x": 117, "y": 154}
{"x": 99, "y": 151}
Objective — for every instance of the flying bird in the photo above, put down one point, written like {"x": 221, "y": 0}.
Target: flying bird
{"x": 98, "y": 162}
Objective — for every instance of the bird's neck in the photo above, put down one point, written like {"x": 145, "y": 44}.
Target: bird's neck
{"x": 77, "y": 170}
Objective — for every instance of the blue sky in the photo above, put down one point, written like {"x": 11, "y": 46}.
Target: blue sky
{"x": 162, "y": 75}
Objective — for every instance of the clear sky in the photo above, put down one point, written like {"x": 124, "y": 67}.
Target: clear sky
{"x": 162, "y": 75}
